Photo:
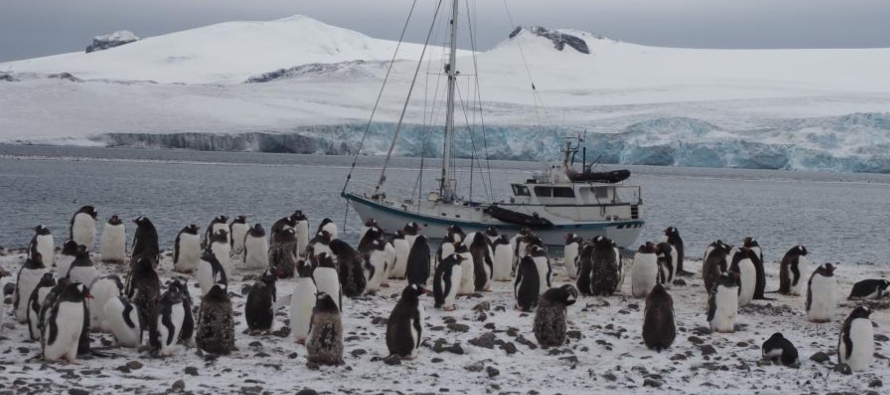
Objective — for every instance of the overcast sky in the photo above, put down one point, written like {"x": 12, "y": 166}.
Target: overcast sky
{"x": 31, "y": 28}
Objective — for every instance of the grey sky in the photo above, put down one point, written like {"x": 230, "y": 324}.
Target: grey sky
{"x": 31, "y": 28}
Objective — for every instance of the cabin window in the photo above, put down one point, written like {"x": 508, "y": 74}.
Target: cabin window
{"x": 543, "y": 191}
{"x": 601, "y": 193}
{"x": 563, "y": 192}
{"x": 520, "y": 190}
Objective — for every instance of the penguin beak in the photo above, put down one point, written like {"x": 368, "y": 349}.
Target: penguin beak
{"x": 88, "y": 295}
{"x": 425, "y": 290}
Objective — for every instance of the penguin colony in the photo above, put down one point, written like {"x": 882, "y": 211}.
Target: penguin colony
{"x": 63, "y": 298}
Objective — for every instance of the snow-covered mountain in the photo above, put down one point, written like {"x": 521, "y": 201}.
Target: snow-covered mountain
{"x": 299, "y": 85}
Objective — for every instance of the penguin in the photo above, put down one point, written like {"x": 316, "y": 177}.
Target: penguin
{"x": 402, "y": 251}
{"x": 370, "y": 236}
{"x": 49, "y": 300}
{"x": 113, "y": 246}
{"x": 570, "y": 255}
{"x": 743, "y": 268}
{"x": 328, "y": 226}
{"x": 82, "y": 269}
{"x": 370, "y": 224}
{"x": 404, "y": 329}
{"x": 468, "y": 271}
{"x": 259, "y": 311}
{"x": 301, "y": 231}
{"x": 42, "y": 242}
{"x": 238, "y": 230}
{"x": 103, "y": 289}
{"x": 822, "y": 294}
{"x": 455, "y": 233}
{"x": 792, "y": 269}
{"x": 29, "y": 276}
{"x": 585, "y": 270}
{"x": 38, "y": 295}
{"x": 222, "y": 250}
{"x": 412, "y": 232}
{"x": 869, "y": 289}
{"x": 605, "y": 268}
{"x": 523, "y": 244}
{"x": 503, "y": 259}
{"x": 217, "y": 224}
{"x": 122, "y": 319}
{"x": 779, "y": 350}
{"x": 284, "y": 223}
{"x": 492, "y": 234}
{"x": 446, "y": 248}
{"x": 210, "y": 271}
{"x": 351, "y": 268}
{"x": 715, "y": 262}
{"x": 327, "y": 279}
{"x": 170, "y": 318}
{"x": 324, "y": 346}
{"x": 446, "y": 281}
{"x": 527, "y": 287}
{"x": 542, "y": 262}
{"x": 856, "y": 345}
{"x": 659, "y": 327}
{"x": 82, "y": 228}
{"x": 319, "y": 244}
{"x": 64, "y": 324}
{"x": 518, "y": 248}
{"x": 66, "y": 258}
{"x": 187, "y": 249}
{"x": 187, "y": 333}
{"x": 144, "y": 291}
{"x": 644, "y": 271}
{"x": 303, "y": 299}
{"x": 723, "y": 304}
{"x": 283, "y": 253}
{"x": 145, "y": 242}
{"x": 550, "y": 324}
{"x": 418, "y": 262}
{"x": 672, "y": 236}
{"x": 622, "y": 271}
{"x": 667, "y": 259}
{"x": 256, "y": 248}
{"x": 374, "y": 258}
{"x": 216, "y": 322}
{"x": 757, "y": 259}
{"x": 483, "y": 264}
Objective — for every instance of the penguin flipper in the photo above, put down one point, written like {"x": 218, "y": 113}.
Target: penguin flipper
{"x": 712, "y": 306}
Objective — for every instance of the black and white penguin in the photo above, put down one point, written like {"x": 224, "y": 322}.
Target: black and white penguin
{"x": 303, "y": 300}
{"x": 856, "y": 345}
{"x": 30, "y": 274}
{"x": 446, "y": 281}
{"x": 404, "y": 330}
{"x": 301, "y": 231}
{"x": 551, "y": 324}
{"x": 216, "y": 322}
{"x": 723, "y": 304}
{"x": 822, "y": 294}
{"x": 644, "y": 272}
{"x": 402, "y": 250}
{"x": 64, "y": 324}
{"x": 319, "y": 244}
{"x": 370, "y": 224}
{"x": 667, "y": 264}
{"x": 792, "y": 270}
{"x": 65, "y": 258}
{"x": 259, "y": 310}
{"x": 256, "y": 248}
{"x": 187, "y": 334}
{"x": 542, "y": 262}
{"x": 210, "y": 271}
{"x": 327, "y": 279}
{"x": 82, "y": 228}
{"x": 222, "y": 250}
{"x": 743, "y": 268}
{"x": 283, "y": 253}
{"x": 375, "y": 260}
{"x": 144, "y": 291}
{"x": 622, "y": 270}
{"x": 570, "y": 255}
{"x": 324, "y": 346}
{"x": 351, "y": 268}
{"x": 455, "y": 233}
{"x": 672, "y": 236}
{"x": 187, "y": 249}
{"x": 585, "y": 269}
{"x": 82, "y": 269}
{"x": 606, "y": 268}
{"x": 329, "y": 226}
{"x": 446, "y": 248}
{"x": 716, "y": 262}
{"x": 527, "y": 287}
{"x": 756, "y": 257}
{"x": 35, "y": 301}
{"x": 145, "y": 242}
{"x": 519, "y": 246}
{"x": 370, "y": 236}
{"x": 492, "y": 234}
{"x": 238, "y": 230}
{"x": 50, "y": 299}
{"x": 103, "y": 289}
{"x": 468, "y": 270}
{"x": 869, "y": 289}
{"x": 122, "y": 319}
{"x": 283, "y": 223}
{"x": 113, "y": 246}
{"x": 778, "y": 349}
{"x": 418, "y": 262}
{"x": 412, "y": 232}
{"x": 218, "y": 223}
{"x": 483, "y": 264}
{"x": 43, "y": 243}
{"x": 503, "y": 259}
{"x": 659, "y": 327}
{"x": 168, "y": 325}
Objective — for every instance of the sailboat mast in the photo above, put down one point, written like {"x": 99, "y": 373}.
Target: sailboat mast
{"x": 451, "y": 71}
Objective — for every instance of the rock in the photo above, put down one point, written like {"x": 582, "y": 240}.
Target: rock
{"x": 8, "y": 288}
{"x": 483, "y": 306}
{"x": 252, "y": 390}
{"x": 116, "y": 39}
{"x": 574, "y": 335}
{"x": 678, "y": 357}
{"x": 878, "y": 337}
{"x": 380, "y": 321}
{"x": 458, "y": 327}
{"x": 134, "y": 365}
{"x": 695, "y": 340}
{"x": 78, "y": 391}
{"x": 307, "y": 392}
{"x": 707, "y": 349}
{"x": 393, "y": 360}
{"x": 484, "y": 341}
{"x": 819, "y": 357}
{"x": 475, "y": 367}
{"x": 571, "y": 359}
{"x": 702, "y": 330}
{"x": 358, "y": 352}
{"x": 652, "y": 383}
{"x": 509, "y": 347}
{"x": 610, "y": 377}
{"x": 255, "y": 344}
{"x": 178, "y": 385}
{"x": 191, "y": 370}
{"x": 437, "y": 360}
{"x": 492, "y": 371}
{"x": 843, "y": 368}
{"x": 876, "y": 383}
{"x": 559, "y": 40}
{"x": 680, "y": 282}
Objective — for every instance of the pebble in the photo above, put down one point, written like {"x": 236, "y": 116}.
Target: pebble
{"x": 475, "y": 367}
{"x": 843, "y": 368}
{"x": 820, "y": 357}
{"x": 178, "y": 385}
{"x": 652, "y": 383}
{"x": 492, "y": 371}
{"x": 708, "y": 349}
{"x": 486, "y": 340}
{"x": 458, "y": 327}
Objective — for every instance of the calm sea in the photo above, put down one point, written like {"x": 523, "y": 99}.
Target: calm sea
{"x": 839, "y": 217}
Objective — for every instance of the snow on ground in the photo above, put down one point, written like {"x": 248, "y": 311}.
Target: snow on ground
{"x": 469, "y": 352}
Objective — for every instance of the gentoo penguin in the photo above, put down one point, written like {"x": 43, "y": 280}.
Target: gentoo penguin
{"x": 38, "y": 295}
{"x": 518, "y": 246}
{"x": 113, "y": 246}
{"x": 82, "y": 269}
{"x": 370, "y": 236}
{"x": 187, "y": 334}
{"x": 743, "y": 268}
{"x": 216, "y": 322}
{"x": 672, "y": 236}
{"x": 779, "y": 350}
{"x": 869, "y": 289}
{"x": 210, "y": 271}
{"x": 468, "y": 271}
{"x": 42, "y": 242}
{"x": 402, "y": 250}
{"x": 238, "y": 229}
{"x": 328, "y": 226}
{"x": 218, "y": 223}
{"x": 503, "y": 259}
{"x": 66, "y": 258}
{"x": 542, "y": 262}
{"x": 301, "y": 231}
{"x": 527, "y": 287}
{"x": 319, "y": 244}
{"x": 30, "y": 274}
{"x": 371, "y": 223}
{"x": 222, "y": 250}
{"x": 283, "y": 253}
{"x": 644, "y": 272}
{"x": 390, "y": 261}
{"x": 667, "y": 264}
{"x": 585, "y": 269}
{"x": 351, "y": 268}
{"x": 49, "y": 300}
{"x": 82, "y": 228}
{"x": 723, "y": 304}
{"x": 284, "y": 223}
{"x": 716, "y": 262}
{"x": 187, "y": 250}
{"x": 659, "y": 328}
{"x": 327, "y": 279}
{"x": 404, "y": 330}
{"x": 324, "y": 346}
{"x": 822, "y": 294}
{"x": 103, "y": 289}
{"x": 446, "y": 248}
{"x": 303, "y": 299}
{"x": 145, "y": 242}
{"x": 122, "y": 319}
{"x": 606, "y": 268}
{"x": 259, "y": 311}
{"x": 412, "y": 232}
{"x": 374, "y": 257}
{"x": 757, "y": 260}
{"x": 793, "y": 268}
{"x": 256, "y": 248}
{"x": 144, "y": 291}
{"x": 418, "y": 262}
{"x": 856, "y": 346}
{"x": 483, "y": 264}
{"x": 550, "y": 319}
{"x": 447, "y": 280}
{"x": 492, "y": 234}
{"x": 622, "y": 271}
{"x": 64, "y": 323}
{"x": 171, "y": 315}
{"x": 570, "y": 255}
{"x": 455, "y": 233}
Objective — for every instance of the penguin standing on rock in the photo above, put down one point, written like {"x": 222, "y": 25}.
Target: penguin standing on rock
{"x": 82, "y": 269}
{"x": 756, "y": 257}
{"x": 447, "y": 280}
{"x": 550, "y": 319}
{"x": 327, "y": 279}
{"x": 145, "y": 242}
{"x": 217, "y": 224}
{"x": 256, "y": 248}
{"x": 723, "y": 304}
{"x": 144, "y": 290}
{"x": 303, "y": 299}
{"x": 42, "y": 242}
{"x": 570, "y": 255}
{"x": 122, "y": 319}
{"x": 822, "y": 294}
{"x": 187, "y": 250}
{"x": 672, "y": 236}
{"x": 418, "y": 263}
{"x": 30, "y": 274}
{"x": 113, "y": 246}
{"x": 744, "y": 269}
{"x": 329, "y": 226}
{"x": 659, "y": 328}
{"x": 715, "y": 263}
{"x": 82, "y": 228}
{"x": 210, "y": 272}
{"x": 324, "y": 346}
{"x": 238, "y": 230}
{"x": 869, "y": 289}
{"x": 606, "y": 268}
{"x": 779, "y": 350}
{"x": 404, "y": 330}
{"x": 216, "y": 323}
{"x": 283, "y": 253}
{"x": 791, "y": 271}
{"x": 259, "y": 311}
{"x": 38, "y": 295}
{"x": 170, "y": 318}
{"x": 644, "y": 271}
{"x": 64, "y": 324}
{"x": 66, "y": 258}
{"x": 856, "y": 346}
{"x": 103, "y": 289}
{"x": 527, "y": 287}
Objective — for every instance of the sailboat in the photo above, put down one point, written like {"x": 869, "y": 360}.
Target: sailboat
{"x": 554, "y": 202}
